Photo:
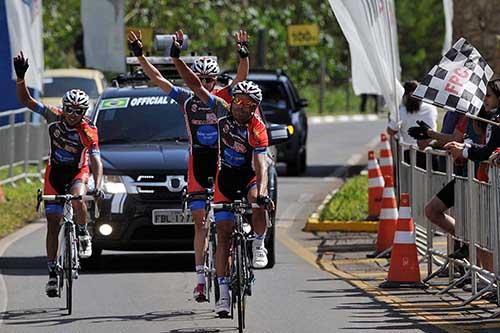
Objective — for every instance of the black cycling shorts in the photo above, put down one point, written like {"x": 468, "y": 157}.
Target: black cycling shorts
{"x": 447, "y": 194}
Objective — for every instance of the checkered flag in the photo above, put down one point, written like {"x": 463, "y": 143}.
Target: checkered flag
{"x": 458, "y": 82}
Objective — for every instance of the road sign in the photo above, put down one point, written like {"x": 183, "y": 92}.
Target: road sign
{"x": 303, "y": 34}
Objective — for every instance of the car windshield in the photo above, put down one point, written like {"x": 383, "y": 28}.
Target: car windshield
{"x": 57, "y": 86}
{"x": 140, "y": 119}
{"x": 273, "y": 95}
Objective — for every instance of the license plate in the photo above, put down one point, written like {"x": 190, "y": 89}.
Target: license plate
{"x": 171, "y": 216}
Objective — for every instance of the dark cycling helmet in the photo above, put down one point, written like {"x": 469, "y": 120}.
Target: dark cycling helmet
{"x": 250, "y": 89}
{"x": 205, "y": 66}
{"x": 76, "y": 99}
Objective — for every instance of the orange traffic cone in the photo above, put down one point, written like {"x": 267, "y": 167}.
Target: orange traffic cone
{"x": 386, "y": 163}
{"x": 2, "y": 195}
{"x": 388, "y": 219}
{"x": 375, "y": 187}
{"x": 404, "y": 270}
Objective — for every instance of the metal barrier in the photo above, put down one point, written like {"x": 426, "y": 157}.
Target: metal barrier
{"x": 476, "y": 212}
{"x": 25, "y": 143}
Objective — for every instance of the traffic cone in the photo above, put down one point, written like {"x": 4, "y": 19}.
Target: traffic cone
{"x": 404, "y": 270}
{"x": 388, "y": 219}
{"x": 375, "y": 187}
{"x": 386, "y": 163}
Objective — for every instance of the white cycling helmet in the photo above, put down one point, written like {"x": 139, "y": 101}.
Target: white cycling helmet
{"x": 205, "y": 66}
{"x": 250, "y": 89}
{"x": 76, "y": 99}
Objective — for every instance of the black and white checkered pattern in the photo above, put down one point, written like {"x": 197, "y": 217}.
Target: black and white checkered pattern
{"x": 465, "y": 64}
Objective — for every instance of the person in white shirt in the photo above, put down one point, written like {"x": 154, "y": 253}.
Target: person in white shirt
{"x": 411, "y": 110}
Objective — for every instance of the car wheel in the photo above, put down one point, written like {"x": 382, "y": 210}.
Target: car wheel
{"x": 93, "y": 261}
{"x": 303, "y": 161}
{"x": 293, "y": 167}
{"x": 270, "y": 242}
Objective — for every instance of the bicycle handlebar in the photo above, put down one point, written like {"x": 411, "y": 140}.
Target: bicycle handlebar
{"x": 67, "y": 197}
{"x": 236, "y": 205}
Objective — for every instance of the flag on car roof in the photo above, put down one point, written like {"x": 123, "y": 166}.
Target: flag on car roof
{"x": 458, "y": 82}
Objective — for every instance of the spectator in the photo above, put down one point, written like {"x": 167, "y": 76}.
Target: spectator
{"x": 411, "y": 111}
{"x": 442, "y": 201}
{"x": 364, "y": 101}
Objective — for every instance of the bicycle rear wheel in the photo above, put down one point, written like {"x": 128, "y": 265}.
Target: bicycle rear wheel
{"x": 68, "y": 268}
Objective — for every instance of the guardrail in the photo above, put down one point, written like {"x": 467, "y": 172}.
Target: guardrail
{"x": 26, "y": 143}
{"x": 476, "y": 213}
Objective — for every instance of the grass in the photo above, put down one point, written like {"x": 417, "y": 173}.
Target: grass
{"x": 338, "y": 100}
{"x": 350, "y": 203}
{"x": 20, "y": 206}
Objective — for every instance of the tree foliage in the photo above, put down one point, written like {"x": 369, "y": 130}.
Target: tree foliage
{"x": 212, "y": 24}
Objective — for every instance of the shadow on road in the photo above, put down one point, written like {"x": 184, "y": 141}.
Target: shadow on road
{"x": 107, "y": 263}
{"x": 39, "y": 317}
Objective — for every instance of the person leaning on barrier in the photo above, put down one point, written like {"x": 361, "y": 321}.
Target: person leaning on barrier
{"x": 411, "y": 111}
{"x": 445, "y": 199}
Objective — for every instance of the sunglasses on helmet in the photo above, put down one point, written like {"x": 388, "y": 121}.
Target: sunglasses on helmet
{"x": 76, "y": 111}
{"x": 244, "y": 103}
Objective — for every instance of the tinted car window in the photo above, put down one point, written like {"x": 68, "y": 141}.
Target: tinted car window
{"x": 139, "y": 119}
{"x": 274, "y": 95}
{"x": 57, "y": 86}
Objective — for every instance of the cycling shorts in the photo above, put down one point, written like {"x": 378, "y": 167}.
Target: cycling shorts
{"x": 202, "y": 166}
{"x": 59, "y": 180}
{"x": 227, "y": 184}
{"x": 447, "y": 194}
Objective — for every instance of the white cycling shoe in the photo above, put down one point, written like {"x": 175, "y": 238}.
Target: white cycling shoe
{"x": 85, "y": 246}
{"x": 223, "y": 307}
{"x": 259, "y": 257}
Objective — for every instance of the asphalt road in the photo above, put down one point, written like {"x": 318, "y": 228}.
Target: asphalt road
{"x": 152, "y": 292}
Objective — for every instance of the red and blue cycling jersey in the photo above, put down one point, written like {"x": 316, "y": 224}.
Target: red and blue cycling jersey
{"x": 69, "y": 146}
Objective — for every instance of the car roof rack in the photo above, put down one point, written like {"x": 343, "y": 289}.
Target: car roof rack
{"x": 165, "y": 65}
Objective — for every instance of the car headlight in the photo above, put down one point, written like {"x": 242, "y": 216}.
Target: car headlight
{"x": 113, "y": 184}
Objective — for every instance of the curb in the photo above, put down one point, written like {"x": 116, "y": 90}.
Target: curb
{"x": 314, "y": 225}
{"x": 343, "y": 118}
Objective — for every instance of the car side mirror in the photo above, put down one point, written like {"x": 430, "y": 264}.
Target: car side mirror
{"x": 303, "y": 102}
{"x": 278, "y": 134}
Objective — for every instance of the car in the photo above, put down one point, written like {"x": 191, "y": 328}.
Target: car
{"x": 144, "y": 150}
{"x": 57, "y": 81}
{"x": 282, "y": 105}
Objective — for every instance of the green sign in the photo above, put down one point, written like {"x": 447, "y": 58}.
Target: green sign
{"x": 114, "y": 103}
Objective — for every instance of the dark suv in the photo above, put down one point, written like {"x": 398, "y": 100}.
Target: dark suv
{"x": 144, "y": 149}
{"x": 282, "y": 105}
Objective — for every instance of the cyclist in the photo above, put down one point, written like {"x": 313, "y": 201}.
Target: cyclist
{"x": 72, "y": 140}
{"x": 201, "y": 122}
{"x": 242, "y": 139}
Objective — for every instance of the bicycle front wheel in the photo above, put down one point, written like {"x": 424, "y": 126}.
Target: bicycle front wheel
{"x": 68, "y": 268}
{"x": 240, "y": 283}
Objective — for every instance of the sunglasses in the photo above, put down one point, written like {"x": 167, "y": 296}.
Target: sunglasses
{"x": 207, "y": 80}
{"x": 78, "y": 112}
{"x": 244, "y": 103}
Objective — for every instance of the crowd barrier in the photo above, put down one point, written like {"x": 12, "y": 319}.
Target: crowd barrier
{"x": 476, "y": 213}
{"x": 25, "y": 143}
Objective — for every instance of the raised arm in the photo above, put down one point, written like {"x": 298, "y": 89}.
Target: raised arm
{"x": 189, "y": 77}
{"x": 244, "y": 65}
{"x": 23, "y": 95}
{"x": 135, "y": 45}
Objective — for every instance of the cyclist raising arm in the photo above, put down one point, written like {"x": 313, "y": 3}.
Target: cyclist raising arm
{"x": 72, "y": 139}
{"x": 201, "y": 123}
{"x": 242, "y": 136}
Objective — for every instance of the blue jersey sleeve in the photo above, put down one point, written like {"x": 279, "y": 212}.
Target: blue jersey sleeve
{"x": 180, "y": 95}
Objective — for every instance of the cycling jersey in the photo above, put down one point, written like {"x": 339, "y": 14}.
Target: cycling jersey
{"x": 69, "y": 146}
{"x": 69, "y": 150}
{"x": 224, "y": 93}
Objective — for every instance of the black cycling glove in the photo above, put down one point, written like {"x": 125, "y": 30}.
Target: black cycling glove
{"x": 175, "y": 49}
{"x": 419, "y": 132}
{"x": 263, "y": 200}
{"x": 243, "y": 49}
{"x": 136, "y": 47}
{"x": 21, "y": 66}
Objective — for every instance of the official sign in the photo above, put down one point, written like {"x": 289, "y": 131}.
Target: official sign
{"x": 303, "y": 34}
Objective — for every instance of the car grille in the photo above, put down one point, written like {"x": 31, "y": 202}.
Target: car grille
{"x": 160, "y": 187}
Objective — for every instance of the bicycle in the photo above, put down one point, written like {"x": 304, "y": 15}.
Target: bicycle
{"x": 209, "y": 261}
{"x": 242, "y": 277}
{"x": 68, "y": 262}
